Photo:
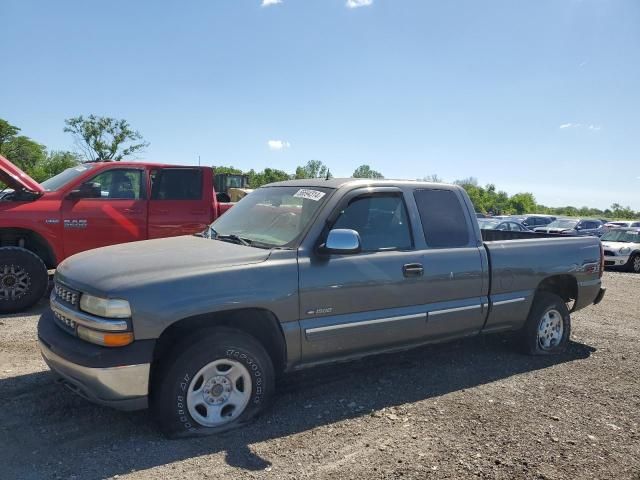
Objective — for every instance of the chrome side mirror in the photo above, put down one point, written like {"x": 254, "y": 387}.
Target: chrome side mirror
{"x": 342, "y": 241}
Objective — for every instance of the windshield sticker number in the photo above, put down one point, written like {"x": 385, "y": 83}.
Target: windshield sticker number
{"x": 314, "y": 195}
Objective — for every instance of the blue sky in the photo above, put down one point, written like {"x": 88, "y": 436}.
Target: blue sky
{"x": 540, "y": 96}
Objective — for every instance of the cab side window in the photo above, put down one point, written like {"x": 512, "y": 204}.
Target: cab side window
{"x": 176, "y": 184}
{"x": 119, "y": 184}
{"x": 381, "y": 221}
{"x": 443, "y": 219}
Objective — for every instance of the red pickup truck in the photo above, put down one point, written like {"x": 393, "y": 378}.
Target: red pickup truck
{"x": 89, "y": 206}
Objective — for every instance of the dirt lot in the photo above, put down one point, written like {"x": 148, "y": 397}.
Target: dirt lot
{"x": 474, "y": 408}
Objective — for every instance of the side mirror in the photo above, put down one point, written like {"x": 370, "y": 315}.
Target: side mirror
{"x": 87, "y": 190}
{"x": 342, "y": 241}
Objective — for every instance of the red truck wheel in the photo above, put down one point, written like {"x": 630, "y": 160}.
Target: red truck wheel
{"x": 23, "y": 279}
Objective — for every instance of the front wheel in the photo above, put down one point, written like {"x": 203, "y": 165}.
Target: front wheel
{"x": 218, "y": 381}
{"x": 548, "y": 326}
{"x": 634, "y": 263}
{"x": 23, "y": 279}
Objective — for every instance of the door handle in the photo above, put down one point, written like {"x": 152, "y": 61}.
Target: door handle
{"x": 413, "y": 270}
{"x": 132, "y": 210}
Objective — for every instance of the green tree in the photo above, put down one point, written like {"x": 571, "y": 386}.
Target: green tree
{"x": 7, "y": 133}
{"x": 313, "y": 169}
{"x": 230, "y": 170}
{"x": 104, "y": 138}
{"x": 268, "y": 175}
{"x": 24, "y": 152}
{"x": 54, "y": 163}
{"x": 522, "y": 203}
{"x": 365, "y": 171}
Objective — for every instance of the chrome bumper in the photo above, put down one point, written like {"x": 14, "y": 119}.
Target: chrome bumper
{"x": 124, "y": 388}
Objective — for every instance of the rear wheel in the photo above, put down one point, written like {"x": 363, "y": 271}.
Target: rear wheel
{"x": 216, "y": 381}
{"x": 23, "y": 279}
{"x": 634, "y": 263}
{"x": 548, "y": 327}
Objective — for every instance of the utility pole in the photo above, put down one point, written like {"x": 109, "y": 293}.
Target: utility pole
{"x": 198, "y": 160}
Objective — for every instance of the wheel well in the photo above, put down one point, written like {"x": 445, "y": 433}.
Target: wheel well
{"x": 566, "y": 286}
{"x": 32, "y": 241}
{"x": 261, "y": 324}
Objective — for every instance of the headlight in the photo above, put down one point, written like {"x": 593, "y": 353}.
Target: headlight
{"x": 105, "y": 307}
{"x": 625, "y": 250}
{"x": 106, "y": 339}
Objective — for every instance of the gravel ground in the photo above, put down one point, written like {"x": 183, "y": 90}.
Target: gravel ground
{"x": 474, "y": 408}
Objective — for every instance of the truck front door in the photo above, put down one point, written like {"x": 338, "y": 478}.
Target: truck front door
{"x": 358, "y": 302}
{"x": 116, "y": 212}
{"x": 180, "y": 202}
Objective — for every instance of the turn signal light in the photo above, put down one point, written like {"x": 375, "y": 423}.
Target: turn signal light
{"x": 107, "y": 339}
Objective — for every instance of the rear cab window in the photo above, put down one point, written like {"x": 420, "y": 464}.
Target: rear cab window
{"x": 176, "y": 184}
{"x": 443, "y": 218}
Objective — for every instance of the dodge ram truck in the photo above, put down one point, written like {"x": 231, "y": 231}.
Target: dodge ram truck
{"x": 90, "y": 206}
{"x": 297, "y": 274}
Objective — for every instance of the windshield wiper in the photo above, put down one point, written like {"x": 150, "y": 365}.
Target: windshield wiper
{"x": 233, "y": 238}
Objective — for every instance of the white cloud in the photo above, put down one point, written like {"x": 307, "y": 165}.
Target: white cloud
{"x": 589, "y": 126}
{"x": 268, "y": 3}
{"x": 358, "y": 3}
{"x": 278, "y": 144}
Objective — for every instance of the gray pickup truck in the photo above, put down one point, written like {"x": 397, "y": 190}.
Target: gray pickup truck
{"x": 298, "y": 274}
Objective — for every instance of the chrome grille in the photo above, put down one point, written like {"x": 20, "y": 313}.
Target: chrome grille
{"x": 64, "y": 322}
{"x": 66, "y": 294}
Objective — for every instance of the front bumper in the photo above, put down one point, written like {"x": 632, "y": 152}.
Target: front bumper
{"x": 116, "y": 377}
{"x": 124, "y": 388}
{"x": 617, "y": 261}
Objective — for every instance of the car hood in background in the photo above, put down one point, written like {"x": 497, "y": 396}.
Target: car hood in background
{"x": 118, "y": 267}
{"x": 618, "y": 245}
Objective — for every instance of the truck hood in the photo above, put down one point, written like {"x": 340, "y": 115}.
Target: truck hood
{"x": 109, "y": 270}
{"x": 16, "y": 178}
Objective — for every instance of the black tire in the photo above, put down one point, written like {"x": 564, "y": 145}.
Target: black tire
{"x": 634, "y": 263}
{"x": 23, "y": 279}
{"x": 176, "y": 374}
{"x": 532, "y": 342}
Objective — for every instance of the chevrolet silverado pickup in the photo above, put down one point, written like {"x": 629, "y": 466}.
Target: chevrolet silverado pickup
{"x": 297, "y": 274}
{"x": 90, "y": 206}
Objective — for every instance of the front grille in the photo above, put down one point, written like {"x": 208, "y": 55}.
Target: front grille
{"x": 66, "y": 294}
{"x": 609, "y": 253}
{"x": 65, "y": 323}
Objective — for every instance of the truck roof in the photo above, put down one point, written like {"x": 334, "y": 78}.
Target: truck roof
{"x": 357, "y": 182}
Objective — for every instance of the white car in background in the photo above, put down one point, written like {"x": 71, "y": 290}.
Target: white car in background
{"x": 622, "y": 248}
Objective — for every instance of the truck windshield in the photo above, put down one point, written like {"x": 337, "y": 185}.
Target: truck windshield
{"x": 66, "y": 176}
{"x": 270, "y": 217}
{"x": 626, "y": 236}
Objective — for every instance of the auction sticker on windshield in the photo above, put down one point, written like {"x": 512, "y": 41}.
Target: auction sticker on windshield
{"x": 314, "y": 195}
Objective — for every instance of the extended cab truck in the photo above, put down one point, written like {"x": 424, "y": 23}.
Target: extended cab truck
{"x": 89, "y": 206}
{"x": 300, "y": 273}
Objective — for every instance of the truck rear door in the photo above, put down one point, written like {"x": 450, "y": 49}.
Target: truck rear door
{"x": 115, "y": 213}
{"x": 181, "y": 201}
{"x": 455, "y": 279}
